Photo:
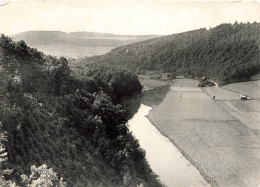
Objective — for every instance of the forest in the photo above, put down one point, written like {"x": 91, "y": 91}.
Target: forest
{"x": 226, "y": 53}
{"x": 74, "y": 130}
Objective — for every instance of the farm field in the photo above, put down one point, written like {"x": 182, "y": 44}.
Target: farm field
{"x": 248, "y": 112}
{"x": 220, "y": 137}
{"x": 250, "y": 88}
{"x": 220, "y": 93}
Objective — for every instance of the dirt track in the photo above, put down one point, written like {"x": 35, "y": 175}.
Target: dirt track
{"x": 221, "y": 137}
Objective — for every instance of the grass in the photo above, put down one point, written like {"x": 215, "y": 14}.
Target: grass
{"x": 220, "y": 94}
{"x": 216, "y": 141}
{"x": 195, "y": 95}
{"x": 250, "y": 88}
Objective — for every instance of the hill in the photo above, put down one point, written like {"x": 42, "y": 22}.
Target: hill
{"x": 75, "y": 127}
{"x": 227, "y": 53}
{"x": 76, "y": 44}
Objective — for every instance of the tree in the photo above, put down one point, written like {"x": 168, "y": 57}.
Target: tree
{"x": 3, "y": 158}
{"x": 42, "y": 176}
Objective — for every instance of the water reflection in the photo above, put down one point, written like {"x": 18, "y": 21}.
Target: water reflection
{"x": 164, "y": 158}
{"x": 154, "y": 96}
{"x": 150, "y": 97}
{"x": 131, "y": 105}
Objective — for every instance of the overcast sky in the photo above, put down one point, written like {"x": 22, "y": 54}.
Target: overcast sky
{"x": 123, "y": 17}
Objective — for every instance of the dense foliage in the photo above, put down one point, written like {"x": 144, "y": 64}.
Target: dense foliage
{"x": 42, "y": 176}
{"x": 117, "y": 83}
{"x": 226, "y": 53}
{"x": 76, "y": 127}
{"x": 3, "y": 158}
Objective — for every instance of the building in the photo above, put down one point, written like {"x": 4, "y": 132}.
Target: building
{"x": 179, "y": 77}
{"x": 243, "y": 97}
{"x": 166, "y": 76}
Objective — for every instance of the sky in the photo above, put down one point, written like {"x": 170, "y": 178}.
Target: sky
{"x": 123, "y": 17}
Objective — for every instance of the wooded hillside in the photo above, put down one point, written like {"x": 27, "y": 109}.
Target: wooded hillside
{"x": 227, "y": 53}
{"x": 76, "y": 127}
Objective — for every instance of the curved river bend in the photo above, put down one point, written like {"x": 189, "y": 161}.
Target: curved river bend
{"x": 173, "y": 169}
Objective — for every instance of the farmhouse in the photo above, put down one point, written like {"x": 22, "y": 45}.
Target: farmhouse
{"x": 243, "y": 97}
{"x": 179, "y": 77}
{"x": 166, "y": 76}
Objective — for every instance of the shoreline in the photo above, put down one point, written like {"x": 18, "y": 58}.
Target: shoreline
{"x": 204, "y": 175}
{"x": 218, "y": 137}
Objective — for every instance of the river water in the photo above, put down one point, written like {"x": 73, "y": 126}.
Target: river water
{"x": 173, "y": 169}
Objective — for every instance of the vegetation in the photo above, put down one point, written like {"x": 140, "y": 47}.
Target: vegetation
{"x": 116, "y": 83}
{"x": 74, "y": 126}
{"x": 3, "y": 157}
{"x": 203, "y": 82}
{"x": 227, "y": 53}
{"x": 42, "y": 176}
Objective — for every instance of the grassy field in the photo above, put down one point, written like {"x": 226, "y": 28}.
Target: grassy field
{"x": 220, "y": 94}
{"x": 218, "y": 137}
{"x": 195, "y": 95}
{"x": 250, "y": 88}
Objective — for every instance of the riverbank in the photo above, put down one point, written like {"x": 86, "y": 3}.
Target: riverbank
{"x": 205, "y": 176}
{"x": 219, "y": 145}
{"x": 163, "y": 157}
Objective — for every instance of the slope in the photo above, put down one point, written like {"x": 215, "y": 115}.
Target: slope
{"x": 227, "y": 53}
{"x": 73, "y": 126}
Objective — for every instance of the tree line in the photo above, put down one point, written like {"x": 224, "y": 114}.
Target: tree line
{"x": 226, "y": 53}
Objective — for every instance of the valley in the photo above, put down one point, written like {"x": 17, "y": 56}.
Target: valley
{"x": 129, "y": 109}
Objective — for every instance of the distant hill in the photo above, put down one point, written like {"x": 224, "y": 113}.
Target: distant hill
{"x": 76, "y": 44}
{"x": 227, "y": 53}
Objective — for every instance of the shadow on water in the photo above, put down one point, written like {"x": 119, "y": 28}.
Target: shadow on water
{"x": 154, "y": 96}
{"x": 151, "y": 98}
{"x": 131, "y": 105}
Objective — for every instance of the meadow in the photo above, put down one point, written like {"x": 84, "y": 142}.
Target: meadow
{"x": 250, "y": 88}
{"x": 214, "y": 137}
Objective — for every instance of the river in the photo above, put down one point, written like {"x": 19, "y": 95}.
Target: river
{"x": 164, "y": 158}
